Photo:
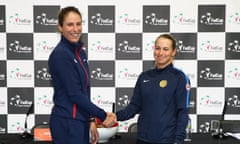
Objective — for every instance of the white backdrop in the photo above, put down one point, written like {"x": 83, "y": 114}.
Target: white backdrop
{"x": 119, "y": 37}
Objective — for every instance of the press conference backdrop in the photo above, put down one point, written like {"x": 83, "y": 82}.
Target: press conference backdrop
{"x": 119, "y": 39}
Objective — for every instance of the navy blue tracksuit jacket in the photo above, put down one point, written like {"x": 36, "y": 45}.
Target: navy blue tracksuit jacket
{"x": 70, "y": 76}
{"x": 161, "y": 98}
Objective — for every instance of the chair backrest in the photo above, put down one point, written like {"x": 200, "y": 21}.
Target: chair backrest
{"x": 132, "y": 127}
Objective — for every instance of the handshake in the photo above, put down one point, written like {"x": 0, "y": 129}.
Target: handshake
{"x": 110, "y": 120}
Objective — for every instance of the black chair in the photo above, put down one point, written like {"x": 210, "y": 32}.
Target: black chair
{"x": 132, "y": 128}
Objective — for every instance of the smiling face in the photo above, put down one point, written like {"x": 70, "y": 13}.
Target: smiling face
{"x": 71, "y": 27}
{"x": 163, "y": 52}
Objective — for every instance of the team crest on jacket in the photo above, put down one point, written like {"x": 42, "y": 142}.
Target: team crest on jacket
{"x": 163, "y": 83}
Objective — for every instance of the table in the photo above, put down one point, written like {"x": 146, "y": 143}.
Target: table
{"x": 124, "y": 138}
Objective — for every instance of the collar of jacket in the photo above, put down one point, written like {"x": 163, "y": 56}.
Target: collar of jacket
{"x": 167, "y": 67}
{"x": 71, "y": 45}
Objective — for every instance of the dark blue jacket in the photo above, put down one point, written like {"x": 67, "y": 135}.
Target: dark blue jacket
{"x": 70, "y": 77}
{"x": 161, "y": 98}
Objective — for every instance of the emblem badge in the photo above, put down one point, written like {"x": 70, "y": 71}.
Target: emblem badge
{"x": 188, "y": 87}
{"x": 163, "y": 83}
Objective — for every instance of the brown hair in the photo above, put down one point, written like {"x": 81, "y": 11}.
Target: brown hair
{"x": 167, "y": 36}
{"x": 63, "y": 13}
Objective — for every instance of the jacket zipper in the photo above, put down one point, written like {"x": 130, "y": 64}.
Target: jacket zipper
{"x": 86, "y": 84}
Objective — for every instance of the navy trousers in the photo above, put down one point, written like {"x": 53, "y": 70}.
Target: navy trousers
{"x": 68, "y": 131}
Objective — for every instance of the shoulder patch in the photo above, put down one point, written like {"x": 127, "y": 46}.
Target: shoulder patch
{"x": 188, "y": 87}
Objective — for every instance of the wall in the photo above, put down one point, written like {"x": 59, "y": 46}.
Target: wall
{"x": 119, "y": 37}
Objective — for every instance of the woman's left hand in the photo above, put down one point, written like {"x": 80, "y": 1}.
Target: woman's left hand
{"x": 94, "y": 133}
